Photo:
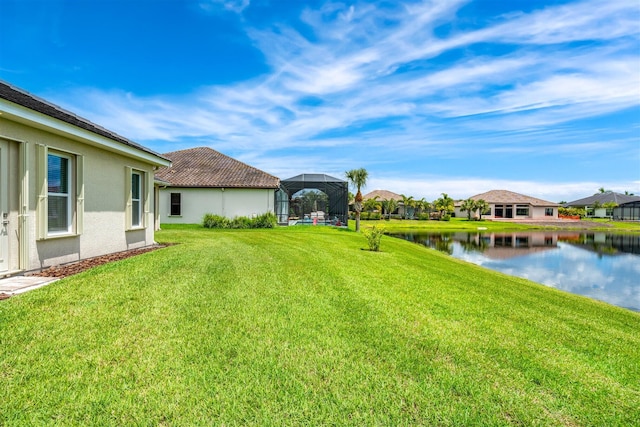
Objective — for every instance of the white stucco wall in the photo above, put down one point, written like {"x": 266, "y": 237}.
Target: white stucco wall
{"x": 228, "y": 202}
{"x": 104, "y": 204}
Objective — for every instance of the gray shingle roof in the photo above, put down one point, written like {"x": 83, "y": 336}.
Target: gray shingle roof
{"x": 206, "y": 167}
{"x": 607, "y": 196}
{"x": 27, "y": 100}
{"x": 504, "y": 196}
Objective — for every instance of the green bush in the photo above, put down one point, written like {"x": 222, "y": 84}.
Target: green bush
{"x": 240, "y": 222}
{"x": 373, "y": 236}
{"x": 215, "y": 221}
{"x": 445, "y": 217}
{"x": 424, "y": 217}
{"x": 267, "y": 220}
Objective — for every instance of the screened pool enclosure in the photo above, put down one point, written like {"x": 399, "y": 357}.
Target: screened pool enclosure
{"x": 313, "y": 199}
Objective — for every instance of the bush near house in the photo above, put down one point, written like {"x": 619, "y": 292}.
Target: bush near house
{"x": 266, "y": 220}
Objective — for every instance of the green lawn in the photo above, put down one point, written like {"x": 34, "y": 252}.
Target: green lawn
{"x": 301, "y": 326}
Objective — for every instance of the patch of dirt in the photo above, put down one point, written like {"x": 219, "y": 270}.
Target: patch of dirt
{"x": 69, "y": 269}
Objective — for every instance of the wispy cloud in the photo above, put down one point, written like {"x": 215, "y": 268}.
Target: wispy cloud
{"x": 375, "y": 75}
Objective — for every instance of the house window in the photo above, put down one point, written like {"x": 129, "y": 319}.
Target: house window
{"x": 548, "y": 211}
{"x": 522, "y": 210}
{"x": 175, "y": 205}
{"x": 60, "y": 206}
{"x": 138, "y": 196}
{"x": 136, "y": 199}
{"x": 499, "y": 211}
{"x": 59, "y": 210}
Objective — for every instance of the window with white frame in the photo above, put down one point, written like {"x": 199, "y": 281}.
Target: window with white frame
{"x": 522, "y": 210}
{"x": 59, "y": 193}
{"x": 60, "y": 206}
{"x": 138, "y": 196}
{"x": 136, "y": 199}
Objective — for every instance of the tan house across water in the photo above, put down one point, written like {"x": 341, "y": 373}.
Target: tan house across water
{"x": 505, "y": 204}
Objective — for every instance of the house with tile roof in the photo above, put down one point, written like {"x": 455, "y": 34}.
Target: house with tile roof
{"x": 69, "y": 188}
{"x": 202, "y": 180}
{"x": 505, "y": 204}
{"x": 627, "y": 206}
{"x": 381, "y": 195}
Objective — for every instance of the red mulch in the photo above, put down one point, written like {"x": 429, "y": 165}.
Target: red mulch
{"x": 65, "y": 270}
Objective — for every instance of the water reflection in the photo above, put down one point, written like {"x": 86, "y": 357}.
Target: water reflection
{"x": 599, "y": 265}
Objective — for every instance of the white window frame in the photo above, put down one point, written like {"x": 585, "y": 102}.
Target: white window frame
{"x": 142, "y": 219}
{"x": 68, "y": 196}
{"x": 75, "y": 195}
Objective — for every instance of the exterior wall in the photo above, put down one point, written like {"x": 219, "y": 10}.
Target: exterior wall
{"x": 105, "y": 195}
{"x": 227, "y": 202}
{"x": 535, "y": 212}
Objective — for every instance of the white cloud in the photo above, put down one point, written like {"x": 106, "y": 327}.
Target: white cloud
{"x": 375, "y": 76}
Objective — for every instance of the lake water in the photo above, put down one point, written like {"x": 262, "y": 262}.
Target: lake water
{"x": 598, "y": 265}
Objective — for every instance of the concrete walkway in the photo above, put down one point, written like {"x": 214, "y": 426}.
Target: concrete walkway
{"x": 19, "y": 284}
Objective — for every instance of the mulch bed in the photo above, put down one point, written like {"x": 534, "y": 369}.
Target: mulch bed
{"x": 65, "y": 270}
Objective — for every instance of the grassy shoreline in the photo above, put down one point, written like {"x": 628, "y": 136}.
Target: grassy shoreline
{"x": 302, "y": 326}
{"x": 462, "y": 224}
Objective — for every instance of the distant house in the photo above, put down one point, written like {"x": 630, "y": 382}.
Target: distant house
{"x": 505, "y": 204}
{"x": 381, "y": 195}
{"x": 69, "y": 189}
{"x": 202, "y": 180}
{"x": 628, "y": 207}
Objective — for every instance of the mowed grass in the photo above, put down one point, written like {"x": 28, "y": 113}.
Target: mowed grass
{"x": 302, "y": 326}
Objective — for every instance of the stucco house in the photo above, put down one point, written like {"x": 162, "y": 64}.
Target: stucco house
{"x": 69, "y": 189}
{"x": 505, "y": 204}
{"x": 627, "y": 205}
{"x": 382, "y": 195}
{"x": 202, "y": 180}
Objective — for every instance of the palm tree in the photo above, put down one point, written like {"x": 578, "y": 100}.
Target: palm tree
{"x": 469, "y": 206}
{"x": 389, "y": 206}
{"x": 407, "y": 202}
{"x": 444, "y": 204}
{"x": 482, "y": 206}
{"x": 358, "y": 179}
{"x": 610, "y": 206}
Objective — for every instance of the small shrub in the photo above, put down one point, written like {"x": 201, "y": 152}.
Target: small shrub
{"x": 423, "y": 217}
{"x": 373, "y": 236}
{"x": 266, "y": 220}
{"x": 240, "y": 222}
{"x": 215, "y": 221}
{"x": 445, "y": 217}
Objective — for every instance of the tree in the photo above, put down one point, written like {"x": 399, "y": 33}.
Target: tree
{"x": 610, "y": 206}
{"x": 468, "y": 206}
{"x": 358, "y": 179}
{"x": 408, "y": 202}
{"x": 389, "y": 206}
{"x": 482, "y": 206}
{"x": 371, "y": 205}
{"x": 444, "y": 205}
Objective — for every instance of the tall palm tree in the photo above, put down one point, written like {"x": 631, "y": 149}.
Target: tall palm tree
{"x": 389, "y": 206}
{"x": 358, "y": 179}
{"x": 468, "y": 206}
{"x": 407, "y": 202}
{"x": 482, "y": 206}
{"x": 444, "y": 204}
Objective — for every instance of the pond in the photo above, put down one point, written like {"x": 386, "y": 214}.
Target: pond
{"x": 599, "y": 265}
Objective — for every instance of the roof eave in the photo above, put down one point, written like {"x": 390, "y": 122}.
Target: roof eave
{"x": 24, "y": 115}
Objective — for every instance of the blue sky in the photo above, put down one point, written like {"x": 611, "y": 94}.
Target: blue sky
{"x": 539, "y": 97}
